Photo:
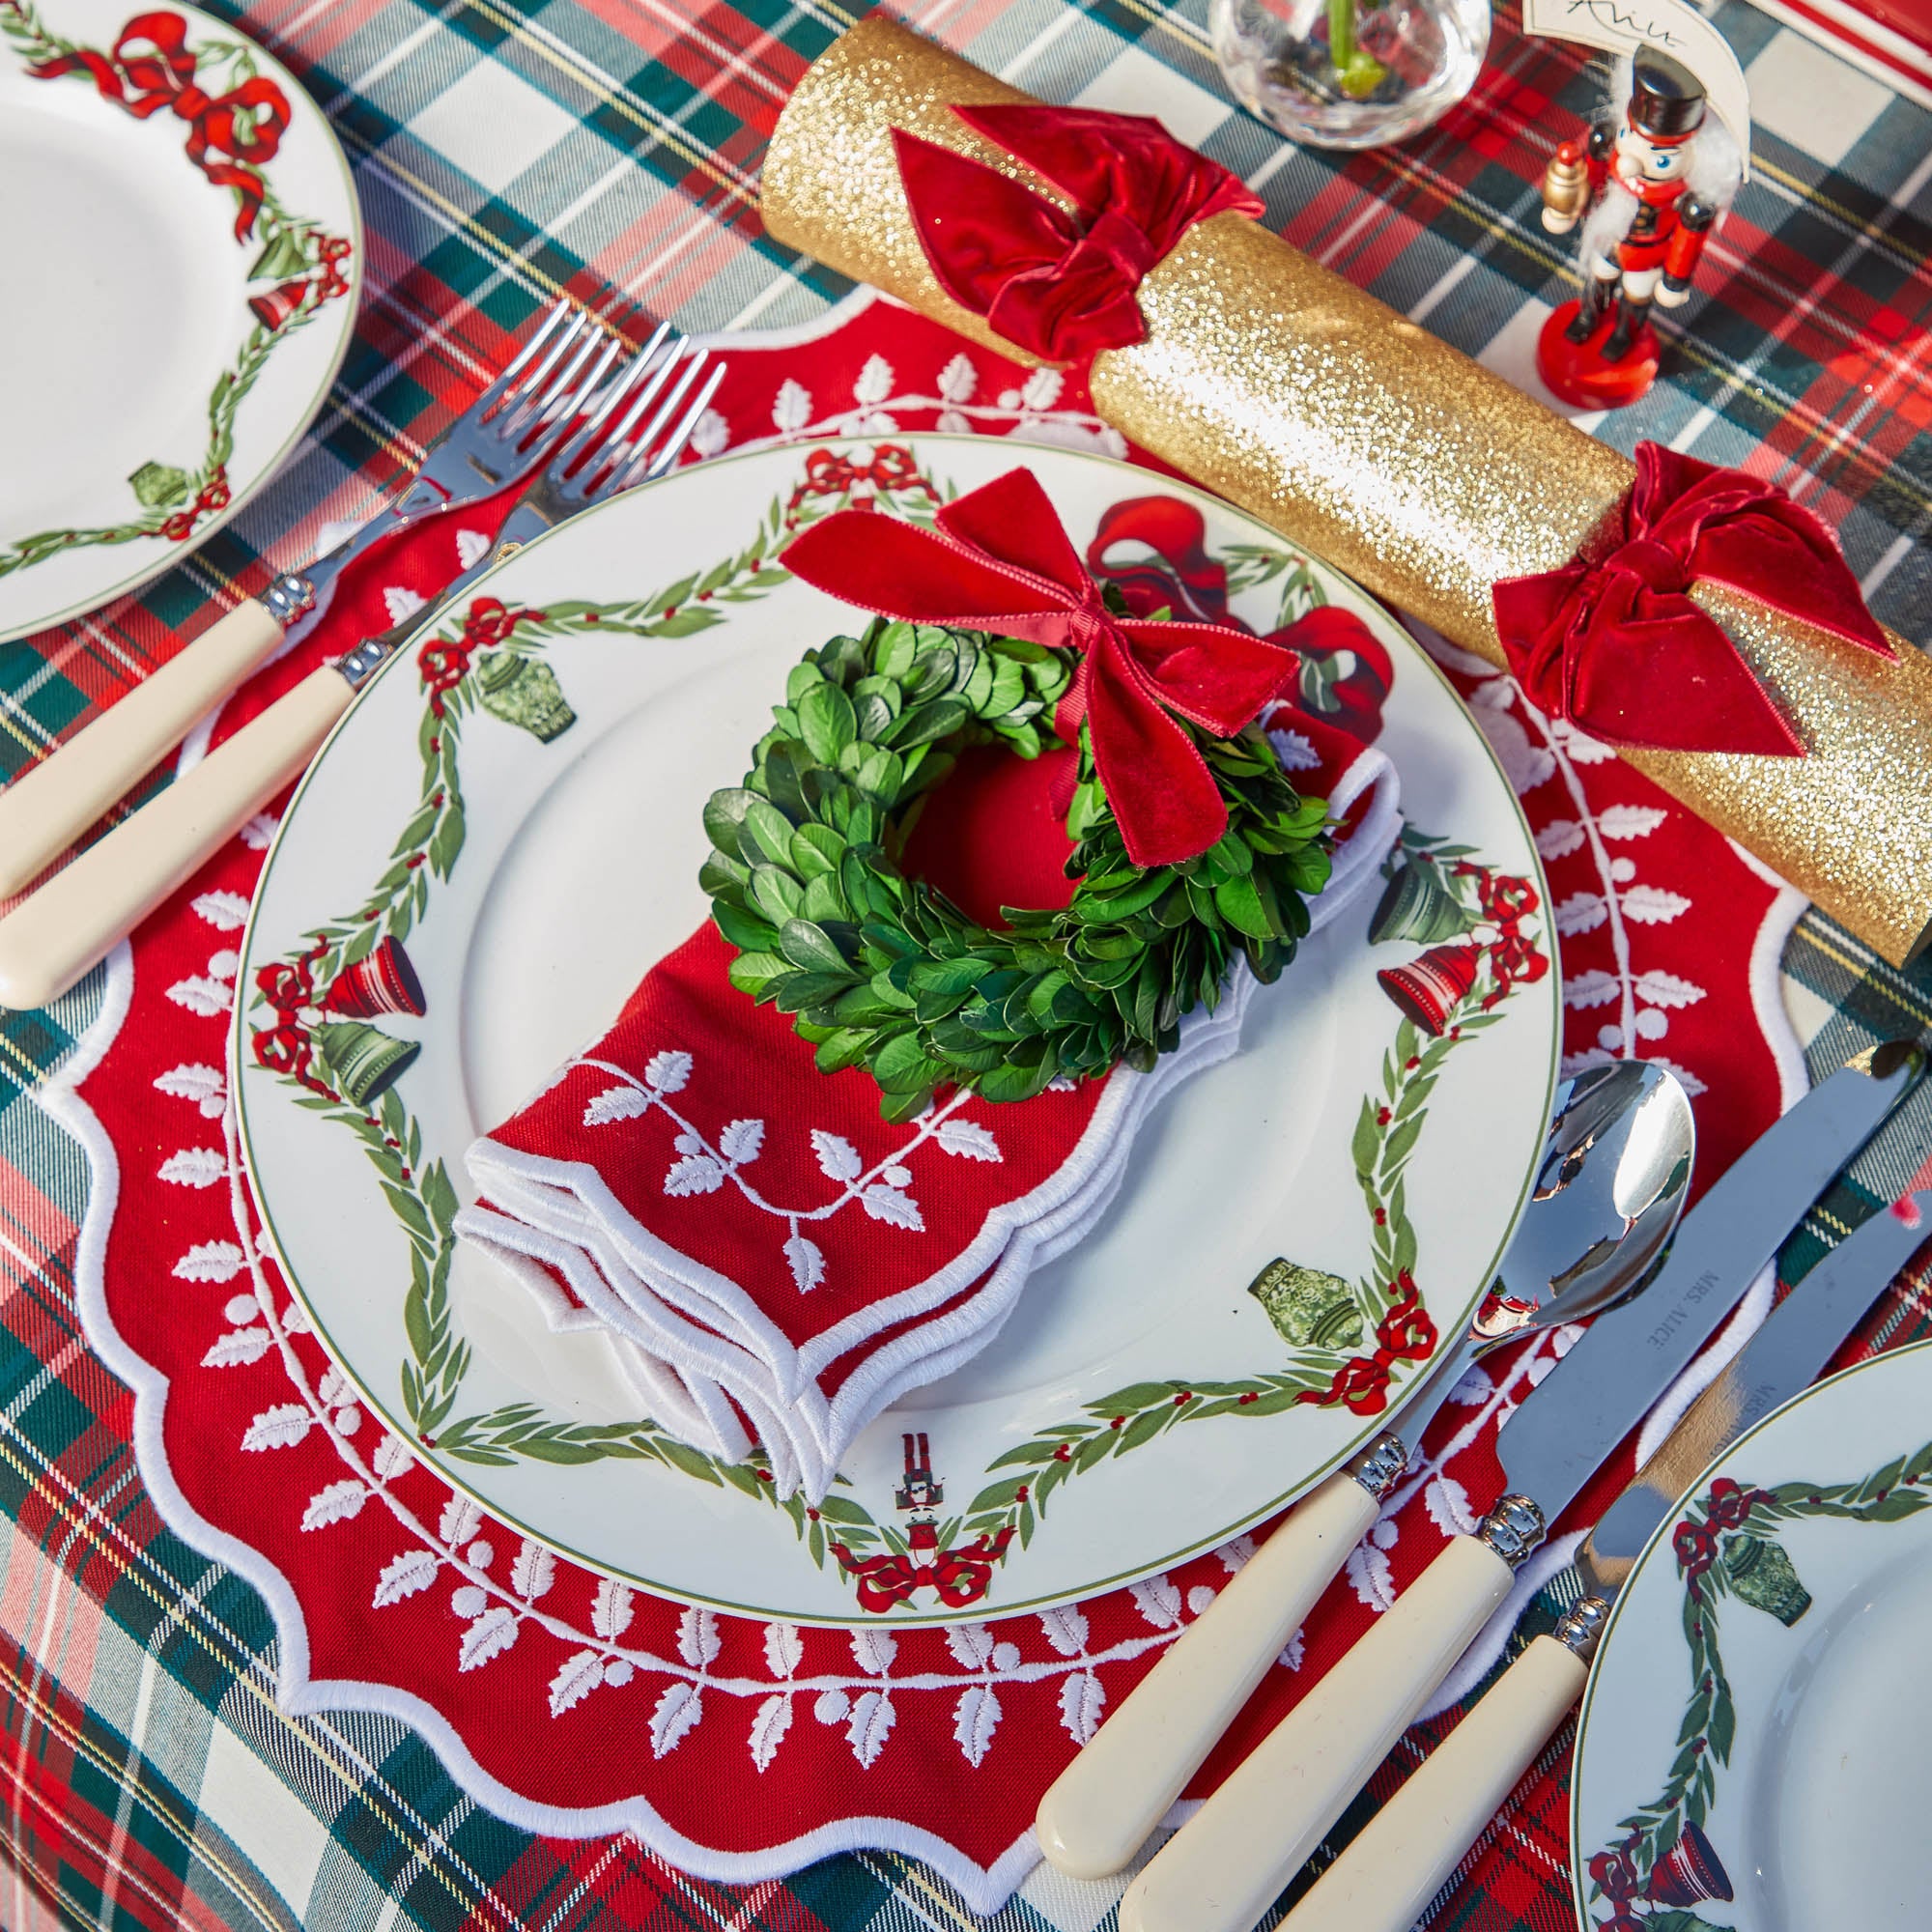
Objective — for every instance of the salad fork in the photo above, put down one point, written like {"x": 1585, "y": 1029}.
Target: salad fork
{"x": 50, "y": 806}
{"x": 48, "y": 941}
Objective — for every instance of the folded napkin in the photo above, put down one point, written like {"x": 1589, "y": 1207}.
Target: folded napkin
{"x": 773, "y": 1263}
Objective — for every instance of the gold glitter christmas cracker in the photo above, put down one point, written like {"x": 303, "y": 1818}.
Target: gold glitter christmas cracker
{"x": 1359, "y": 436}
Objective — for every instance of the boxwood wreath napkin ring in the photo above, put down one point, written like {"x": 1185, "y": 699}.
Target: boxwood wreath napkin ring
{"x": 1189, "y": 844}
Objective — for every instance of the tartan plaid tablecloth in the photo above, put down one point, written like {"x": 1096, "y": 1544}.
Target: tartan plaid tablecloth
{"x": 504, "y": 152}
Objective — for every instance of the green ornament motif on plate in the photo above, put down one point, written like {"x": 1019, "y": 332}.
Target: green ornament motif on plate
{"x": 157, "y": 487}
{"x": 1309, "y": 1309}
{"x": 1417, "y": 906}
{"x": 524, "y": 692}
{"x": 363, "y": 1059}
{"x": 1763, "y": 1575}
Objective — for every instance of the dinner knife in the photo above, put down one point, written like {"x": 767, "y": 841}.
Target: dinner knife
{"x": 1223, "y": 1869}
{"x": 1407, "y": 1851}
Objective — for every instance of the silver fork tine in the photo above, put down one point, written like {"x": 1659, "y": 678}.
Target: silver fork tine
{"x": 587, "y": 438}
{"x": 682, "y": 434}
{"x": 552, "y": 428}
{"x": 643, "y": 395}
{"x": 520, "y": 360}
{"x": 640, "y": 464}
{"x": 541, "y": 376}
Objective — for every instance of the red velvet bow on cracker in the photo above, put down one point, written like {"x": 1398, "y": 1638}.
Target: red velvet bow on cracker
{"x": 1059, "y": 285}
{"x": 1001, "y": 561}
{"x": 1619, "y": 649}
{"x": 229, "y": 135}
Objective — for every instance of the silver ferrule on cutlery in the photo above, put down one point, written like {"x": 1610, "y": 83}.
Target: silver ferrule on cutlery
{"x": 568, "y": 418}
{"x": 1385, "y": 1878}
{"x": 1227, "y": 1864}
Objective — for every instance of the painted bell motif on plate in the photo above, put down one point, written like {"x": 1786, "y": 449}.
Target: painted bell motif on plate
{"x": 1417, "y": 906}
{"x": 1690, "y": 1872}
{"x": 1763, "y": 1575}
{"x": 384, "y": 981}
{"x": 1309, "y": 1309}
{"x": 364, "y": 1059}
{"x": 1426, "y": 990}
{"x": 524, "y": 691}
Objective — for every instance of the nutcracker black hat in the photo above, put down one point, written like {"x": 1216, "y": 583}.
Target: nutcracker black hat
{"x": 1667, "y": 100}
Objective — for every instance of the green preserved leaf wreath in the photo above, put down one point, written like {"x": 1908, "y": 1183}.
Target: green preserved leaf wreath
{"x": 886, "y": 973}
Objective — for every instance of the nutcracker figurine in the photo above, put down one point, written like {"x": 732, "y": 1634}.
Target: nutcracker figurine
{"x": 1659, "y": 183}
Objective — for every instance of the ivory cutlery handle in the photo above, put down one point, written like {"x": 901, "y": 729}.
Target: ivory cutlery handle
{"x": 48, "y": 941}
{"x": 1100, "y": 1809}
{"x": 51, "y": 805}
{"x": 1410, "y": 1848}
{"x": 1229, "y": 1863}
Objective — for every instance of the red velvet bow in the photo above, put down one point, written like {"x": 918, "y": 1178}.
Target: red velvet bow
{"x": 1618, "y": 649}
{"x": 1059, "y": 285}
{"x": 1000, "y": 561}
{"x": 150, "y": 68}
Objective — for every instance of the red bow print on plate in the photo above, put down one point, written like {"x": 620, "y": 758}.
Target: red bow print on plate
{"x": 1618, "y": 648}
{"x": 1001, "y": 561}
{"x": 229, "y": 135}
{"x": 1059, "y": 285}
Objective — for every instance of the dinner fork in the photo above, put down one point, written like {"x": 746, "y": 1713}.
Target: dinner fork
{"x": 47, "y": 808}
{"x": 52, "y": 938}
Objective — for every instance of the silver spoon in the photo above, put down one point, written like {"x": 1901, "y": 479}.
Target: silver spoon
{"x": 1602, "y": 1207}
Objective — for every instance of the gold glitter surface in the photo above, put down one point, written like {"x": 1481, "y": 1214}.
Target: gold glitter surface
{"x": 1391, "y": 456}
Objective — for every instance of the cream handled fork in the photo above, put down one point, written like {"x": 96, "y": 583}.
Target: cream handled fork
{"x": 48, "y": 806}
{"x": 51, "y": 939}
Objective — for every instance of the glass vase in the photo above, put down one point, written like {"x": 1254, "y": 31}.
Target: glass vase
{"x": 1350, "y": 73}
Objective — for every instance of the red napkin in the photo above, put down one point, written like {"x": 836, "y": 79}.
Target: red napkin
{"x": 775, "y": 1263}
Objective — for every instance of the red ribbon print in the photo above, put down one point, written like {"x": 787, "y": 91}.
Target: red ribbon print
{"x": 1059, "y": 285}
{"x": 957, "y": 1577}
{"x": 229, "y": 135}
{"x": 1614, "y": 644}
{"x": 1001, "y": 561}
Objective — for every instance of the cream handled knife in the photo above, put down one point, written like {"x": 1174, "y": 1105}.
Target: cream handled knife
{"x": 1227, "y": 1864}
{"x": 1408, "y": 1850}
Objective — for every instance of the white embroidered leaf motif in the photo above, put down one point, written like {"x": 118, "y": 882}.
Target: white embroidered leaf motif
{"x": 1583, "y": 749}
{"x": 694, "y": 1174}
{"x": 239, "y": 1348}
{"x": 971, "y": 1645}
{"x": 460, "y": 1521}
{"x": 678, "y": 1710}
{"x": 194, "y": 1167}
{"x": 489, "y": 1636}
{"x": 710, "y": 434}
{"x": 1367, "y": 1568}
{"x": 1629, "y": 821}
{"x": 403, "y": 1576}
{"x": 337, "y": 1503}
{"x": 260, "y": 831}
{"x": 874, "y": 383}
{"x": 668, "y": 1072}
{"x": 1290, "y": 1658}
{"x": 393, "y": 1456}
{"x": 1560, "y": 837}
{"x": 579, "y": 1674}
{"x": 975, "y": 1718}
{"x": 1041, "y": 389}
{"x": 1066, "y": 1629}
{"x": 893, "y": 1206}
{"x": 211, "y": 1260}
{"x": 1081, "y": 1699}
{"x": 401, "y": 603}
{"x": 1594, "y": 988}
{"x": 614, "y": 1103}
{"x": 1653, "y": 905}
{"x": 472, "y": 547}
{"x": 1473, "y": 1389}
{"x": 784, "y": 1649}
{"x": 838, "y": 1158}
{"x": 1158, "y": 1601}
{"x": 741, "y": 1141}
{"x": 1687, "y": 1080}
{"x": 807, "y": 1263}
{"x": 1581, "y": 912}
{"x": 968, "y": 1138}
{"x": 226, "y": 912}
{"x": 791, "y": 407}
{"x": 278, "y": 1428}
{"x": 958, "y": 378}
{"x": 612, "y": 1609}
{"x": 203, "y": 1085}
{"x": 697, "y": 1640}
{"x": 1666, "y": 989}
{"x": 1234, "y": 1555}
{"x": 533, "y": 1571}
{"x": 769, "y": 1724}
{"x": 1448, "y": 1505}
{"x": 1293, "y": 751}
{"x": 873, "y": 1650}
{"x": 872, "y": 1725}
{"x": 201, "y": 996}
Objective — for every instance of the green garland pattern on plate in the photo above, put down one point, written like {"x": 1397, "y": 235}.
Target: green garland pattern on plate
{"x": 298, "y": 265}
{"x": 1749, "y": 1564}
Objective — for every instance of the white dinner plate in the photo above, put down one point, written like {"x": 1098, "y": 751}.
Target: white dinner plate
{"x": 183, "y": 255}
{"x": 578, "y": 869}
{"x": 1751, "y": 1750}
